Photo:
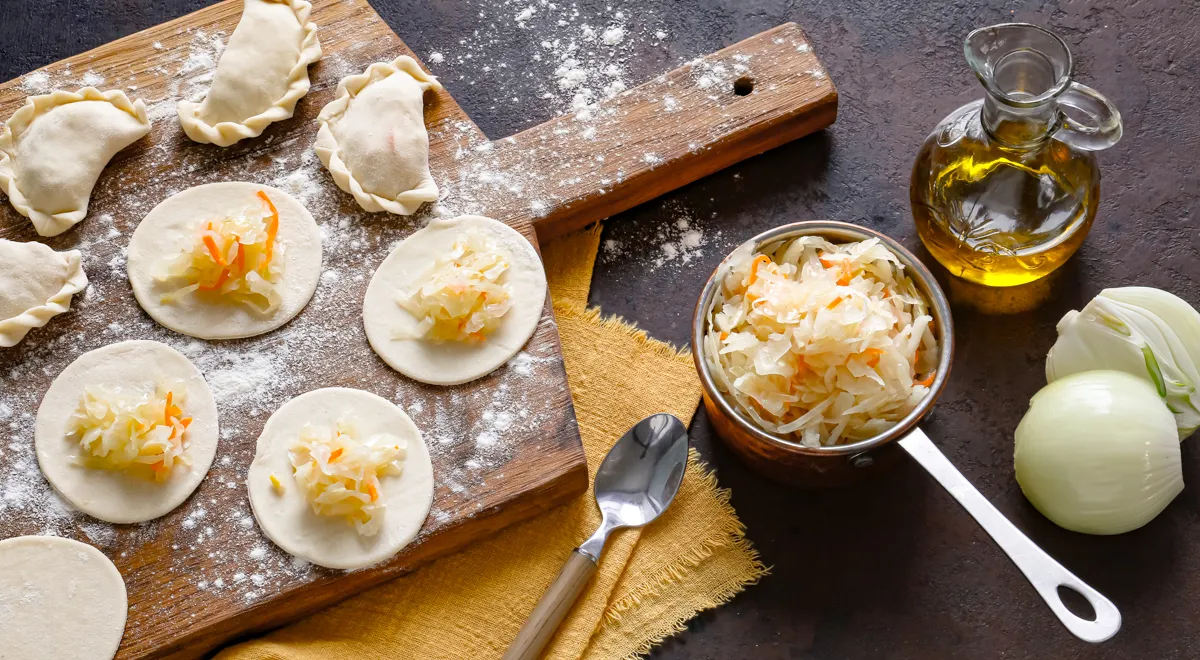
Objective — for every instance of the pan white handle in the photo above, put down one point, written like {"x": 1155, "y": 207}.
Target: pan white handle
{"x": 1046, "y": 574}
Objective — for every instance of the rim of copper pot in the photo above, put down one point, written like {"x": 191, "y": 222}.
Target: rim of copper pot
{"x": 838, "y": 232}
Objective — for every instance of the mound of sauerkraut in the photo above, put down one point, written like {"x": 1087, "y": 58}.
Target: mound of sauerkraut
{"x": 237, "y": 258}
{"x": 819, "y": 342}
{"x": 141, "y": 434}
{"x": 339, "y": 474}
{"x": 461, "y": 298}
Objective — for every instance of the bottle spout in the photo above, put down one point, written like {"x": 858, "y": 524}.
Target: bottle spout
{"x": 1021, "y": 65}
{"x": 1027, "y": 71}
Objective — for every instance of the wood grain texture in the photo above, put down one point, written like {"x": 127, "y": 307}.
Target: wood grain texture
{"x": 553, "y": 607}
{"x": 558, "y": 176}
{"x": 175, "y": 609}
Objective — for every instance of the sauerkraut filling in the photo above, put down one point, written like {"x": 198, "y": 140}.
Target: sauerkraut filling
{"x": 237, "y": 258}
{"x": 823, "y": 343}
{"x": 143, "y": 434}
{"x": 339, "y": 474}
{"x": 461, "y": 298}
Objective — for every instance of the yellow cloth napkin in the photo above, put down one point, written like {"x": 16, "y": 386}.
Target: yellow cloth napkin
{"x": 651, "y": 581}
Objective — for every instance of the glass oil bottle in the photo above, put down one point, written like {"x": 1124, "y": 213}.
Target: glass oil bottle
{"x": 1006, "y": 188}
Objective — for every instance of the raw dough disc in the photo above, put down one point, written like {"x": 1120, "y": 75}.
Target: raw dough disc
{"x": 111, "y": 495}
{"x": 451, "y": 363}
{"x": 288, "y": 519}
{"x": 59, "y": 599}
{"x": 171, "y": 227}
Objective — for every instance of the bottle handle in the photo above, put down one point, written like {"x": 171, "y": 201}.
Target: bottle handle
{"x": 1102, "y": 127}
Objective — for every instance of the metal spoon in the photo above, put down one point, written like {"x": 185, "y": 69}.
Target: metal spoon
{"x": 636, "y": 482}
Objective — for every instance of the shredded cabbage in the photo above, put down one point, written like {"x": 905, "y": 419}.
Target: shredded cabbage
{"x": 819, "y": 342}
{"x": 236, "y": 258}
{"x": 142, "y": 434}
{"x": 339, "y": 475}
{"x": 461, "y": 298}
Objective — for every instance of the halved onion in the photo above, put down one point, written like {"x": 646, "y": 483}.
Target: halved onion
{"x": 1142, "y": 331}
{"x": 1098, "y": 453}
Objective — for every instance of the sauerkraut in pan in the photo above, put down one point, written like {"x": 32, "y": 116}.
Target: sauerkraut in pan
{"x": 819, "y": 342}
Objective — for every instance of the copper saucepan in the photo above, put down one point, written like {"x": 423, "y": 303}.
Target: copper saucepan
{"x": 790, "y": 462}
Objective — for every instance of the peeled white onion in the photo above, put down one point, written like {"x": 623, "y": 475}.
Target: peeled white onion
{"x": 1098, "y": 453}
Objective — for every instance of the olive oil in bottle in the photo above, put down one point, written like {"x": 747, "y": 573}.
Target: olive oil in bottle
{"x": 1006, "y": 188}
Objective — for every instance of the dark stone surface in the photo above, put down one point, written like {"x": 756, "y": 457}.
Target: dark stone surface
{"x": 891, "y": 569}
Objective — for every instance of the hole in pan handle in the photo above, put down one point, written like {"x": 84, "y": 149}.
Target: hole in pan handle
{"x": 1046, "y": 574}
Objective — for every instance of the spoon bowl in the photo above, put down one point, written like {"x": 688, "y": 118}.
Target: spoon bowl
{"x": 636, "y": 482}
{"x": 641, "y": 474}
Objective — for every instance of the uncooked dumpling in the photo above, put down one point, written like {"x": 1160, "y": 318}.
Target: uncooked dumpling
{"x": 126, "y": 432}
{"x": 340, "y": 478}
{"x": 373, "y": 138}
{"x": 261, "y": 75}
{"x": 54, "y": 147}
{"x": 225, "y": 260}
{"x": 59, "y": 599}
{"x": 455, "y": 300}
{"x": 36, "y": 283}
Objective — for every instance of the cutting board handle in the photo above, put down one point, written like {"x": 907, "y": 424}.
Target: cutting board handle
{"x": 702, "y": 117}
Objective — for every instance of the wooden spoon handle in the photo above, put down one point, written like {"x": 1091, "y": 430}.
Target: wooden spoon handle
{"x": 552, "y": 608}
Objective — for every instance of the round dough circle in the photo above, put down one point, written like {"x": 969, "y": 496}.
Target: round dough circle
{"x": 111, "y": 495}
{"x": 288, "y": 519}
{"x": 171, "y": 228}
{"x": 59, "y": 599}
{"x": 451, "y": 363}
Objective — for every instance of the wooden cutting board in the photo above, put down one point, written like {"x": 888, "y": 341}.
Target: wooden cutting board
{"x": 505, "y": 447}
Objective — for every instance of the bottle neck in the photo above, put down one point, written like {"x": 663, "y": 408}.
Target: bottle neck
{"x": 1022, "y": 128}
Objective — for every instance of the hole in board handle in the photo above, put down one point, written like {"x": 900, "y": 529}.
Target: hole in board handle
{"x": 1076, "y": 603}
{"x": 743, "y": 86}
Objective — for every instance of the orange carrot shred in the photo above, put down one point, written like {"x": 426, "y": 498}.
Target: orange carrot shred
{"x": 724, "y": 336}
{"x": 374, "y": 492}
{"x": 760, "y": 260}
{"x": 224, "y": 275}
{"x": 167, "y": 409}
{"x": 847, "y": 274}
{"x": 836, "y": 301}
{"x": 333, "y": 455}
{"x": 927, "y": 381}
{"x": 873, "y": 355}
{"x": 213, "y": 250}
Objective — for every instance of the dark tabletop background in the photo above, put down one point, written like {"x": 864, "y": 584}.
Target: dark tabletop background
{"x": 889, "y": 569}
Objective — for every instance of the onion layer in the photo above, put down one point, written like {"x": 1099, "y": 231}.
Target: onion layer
{"x": 1142, "y": 331}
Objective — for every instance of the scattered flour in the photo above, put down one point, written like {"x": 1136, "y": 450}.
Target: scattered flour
{"x": 679, "y": 239}
{"x": 198, "y": 68}
{"x": 577, "y": 59}
{"x": 577, "y": 56}
{"x": 37, "y": 82}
